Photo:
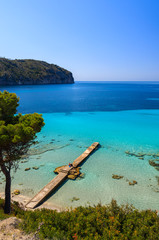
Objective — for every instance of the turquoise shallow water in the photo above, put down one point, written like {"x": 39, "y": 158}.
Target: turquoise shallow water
{"x": 120, "y": 116}
{"x": 66, "y": 135}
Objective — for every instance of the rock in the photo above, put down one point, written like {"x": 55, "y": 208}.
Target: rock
{"x": 44, "y": 148}
{"x": 9, "y": 223}
{"x": 156, "y": 190}
{"x": 16, "y": 192}
{"x": 117, "y": 176}
{"x": 35, "y": 168}
{"x": 157, "y": 177}
{"x": 141, "y": 158}
{"x": 140, "y": 155}
{"x": 127, "y": 152}
{"x": 9, "y": 230}
{"x": 76, "y": 174}
{"x": 153, "y": 163}
{"x": 130, "y": 183}
{"x": 135, "y": 154}
{"x": 27, "y": 169}
{"x": 73, "y": 172}
{"x": 74, "y": 199}
{"x": 133, "y": 183}
{"x": 71, "y": 177}
{"x": 81, "y": 175}
{"x": 58, "y": 169}
{"x": 25, "y": 161}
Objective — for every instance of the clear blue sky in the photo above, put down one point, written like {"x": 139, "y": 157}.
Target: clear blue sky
{"x": 95, "y": 39}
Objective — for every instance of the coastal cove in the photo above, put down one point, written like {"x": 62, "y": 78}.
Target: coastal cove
{"x": 77, "y": 115}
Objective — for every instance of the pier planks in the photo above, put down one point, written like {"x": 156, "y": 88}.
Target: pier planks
{"x": 55, "y": 182}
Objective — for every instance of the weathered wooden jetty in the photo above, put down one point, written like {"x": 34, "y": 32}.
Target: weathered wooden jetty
{"x": 55, "y": 182}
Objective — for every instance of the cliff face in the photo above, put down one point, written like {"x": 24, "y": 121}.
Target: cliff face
{"x": 25, "y": 72}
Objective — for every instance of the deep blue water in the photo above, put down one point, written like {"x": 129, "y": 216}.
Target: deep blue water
{"x": 87, "y": 97}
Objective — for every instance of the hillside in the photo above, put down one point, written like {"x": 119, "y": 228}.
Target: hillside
{"x": 28, "y": 71}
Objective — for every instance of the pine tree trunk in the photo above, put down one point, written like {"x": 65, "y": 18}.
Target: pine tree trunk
{"x": 7, "y": 207}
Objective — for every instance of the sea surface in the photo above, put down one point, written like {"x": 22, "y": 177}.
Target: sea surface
{"x": 121, "y": 116}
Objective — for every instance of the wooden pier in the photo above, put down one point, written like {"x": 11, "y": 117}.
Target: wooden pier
{"x": 55, "y": 182}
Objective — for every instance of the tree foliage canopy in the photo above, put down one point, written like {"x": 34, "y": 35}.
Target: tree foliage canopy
{"x": 17, "y": 133}
{"x": 8, "y": 106}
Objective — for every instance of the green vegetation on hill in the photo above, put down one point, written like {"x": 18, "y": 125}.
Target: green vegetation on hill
{"x": 89, "y": 223}
{"x": 15, "y": 72}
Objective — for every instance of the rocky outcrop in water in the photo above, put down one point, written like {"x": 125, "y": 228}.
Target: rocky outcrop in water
{"x": 32, "y": 72}
{"x": 73, "y": 173}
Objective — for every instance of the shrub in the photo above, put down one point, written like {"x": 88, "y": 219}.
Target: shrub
{"x": 92, "y": 222}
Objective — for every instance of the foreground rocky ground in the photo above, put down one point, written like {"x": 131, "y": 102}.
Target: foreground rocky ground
{"x": 9, "y": 230}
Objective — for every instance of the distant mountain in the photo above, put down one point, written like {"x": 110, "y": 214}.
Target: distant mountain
{"x": 28, "y": 71}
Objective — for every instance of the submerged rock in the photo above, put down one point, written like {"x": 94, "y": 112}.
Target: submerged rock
{"x": 82, "y": 175}
{"x": 132, "y": 183}
{"x": 25, "y": 161}
{"x": 141, "y": 155}
{"x": 153, "y": 163}
{"x": 42, "y": 165}
{"x": 117, "y": 176}
{"x": 157, "y": 177}
{"x": 35, "y": 168}
{"x": 45, "y": 148}
{"x": 27, "y": 169}
{"x": 16, "y": 192}
{"x": 127, "y": 152}
{"x": 74, "y": 199}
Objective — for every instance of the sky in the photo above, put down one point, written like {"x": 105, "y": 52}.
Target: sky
{"x": 97, "y": 40}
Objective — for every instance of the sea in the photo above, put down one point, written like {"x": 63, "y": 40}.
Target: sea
{"x": 122, "y": 116}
